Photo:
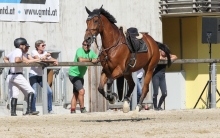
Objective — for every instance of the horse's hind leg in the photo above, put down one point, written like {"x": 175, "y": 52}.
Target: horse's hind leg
{"x": 131, "y": 84}
{"x": 108, "y": 95}
{"x": 145, "y": 88}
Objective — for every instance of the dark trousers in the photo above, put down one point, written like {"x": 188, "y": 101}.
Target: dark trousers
{"x": 159, "y": 81}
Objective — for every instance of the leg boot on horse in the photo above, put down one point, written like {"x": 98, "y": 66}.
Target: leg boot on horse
{"x": 127, "y": 99}
{"x": 109, "y": 95}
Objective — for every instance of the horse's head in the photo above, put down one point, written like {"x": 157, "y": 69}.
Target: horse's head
{"x": 97, "y": 21}
{"x": 94, "y": 25}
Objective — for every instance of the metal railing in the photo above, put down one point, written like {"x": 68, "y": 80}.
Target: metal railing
{"x": 188, "y": 6}
{"x": 45, "y": 66}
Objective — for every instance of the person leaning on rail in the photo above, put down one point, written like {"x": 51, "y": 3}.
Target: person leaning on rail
{"x": 158, "y": 78}
{"x": 76, "y": 74}
{"x": 35, "y": 75}
{"x": 15, "y": 78}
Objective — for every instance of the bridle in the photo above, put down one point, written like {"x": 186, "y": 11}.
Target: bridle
{"x": 96, "y": 29}
{"x": 101, "y": 49}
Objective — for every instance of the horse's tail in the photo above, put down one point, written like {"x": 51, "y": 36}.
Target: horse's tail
{"x": 166, "y": 49}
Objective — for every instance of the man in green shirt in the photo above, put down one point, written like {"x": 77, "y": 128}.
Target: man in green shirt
{"x": 76, "y": 74}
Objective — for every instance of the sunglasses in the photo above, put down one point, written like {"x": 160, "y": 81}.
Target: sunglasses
{"x": 43, "y": 45}
{"x": 86, "y": 45}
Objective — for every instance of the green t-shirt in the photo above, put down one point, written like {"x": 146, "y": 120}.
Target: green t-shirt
{"x": 79, "y": 71}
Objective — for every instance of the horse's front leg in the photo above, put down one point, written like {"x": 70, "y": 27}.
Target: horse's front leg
{"x": 112, "y": 97}
{"x": 127, "y": 99}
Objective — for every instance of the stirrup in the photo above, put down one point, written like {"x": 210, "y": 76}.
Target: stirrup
{"x": 133, "y": 64}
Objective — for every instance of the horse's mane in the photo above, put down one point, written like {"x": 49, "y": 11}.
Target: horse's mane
{"x": 166, "y": 49}
{"x": 106, "y": 14}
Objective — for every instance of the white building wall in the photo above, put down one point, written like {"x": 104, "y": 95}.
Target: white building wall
{"x": 67, "y": 35}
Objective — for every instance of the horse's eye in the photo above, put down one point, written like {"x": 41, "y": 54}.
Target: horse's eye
{"x": 96, "y": 21}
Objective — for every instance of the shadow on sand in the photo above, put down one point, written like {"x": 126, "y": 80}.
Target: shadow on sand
{"x": 117, "y": 120}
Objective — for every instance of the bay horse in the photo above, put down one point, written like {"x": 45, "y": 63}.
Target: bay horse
{"x": 115, "y": 55}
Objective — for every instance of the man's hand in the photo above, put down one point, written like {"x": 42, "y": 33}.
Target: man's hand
{"x": 6, "y": 60}
{"x": 45, "y": 57}
{"x": 27, "y": 62}
{"x": 48, "y": 54}
{"x": 55, "y": 63}
{"x": 95, "y": 60}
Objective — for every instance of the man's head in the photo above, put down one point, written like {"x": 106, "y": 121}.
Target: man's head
{"x": 22, "y": 44}
{"x": 86, "y": 47}
{"x": 25, "y": 48}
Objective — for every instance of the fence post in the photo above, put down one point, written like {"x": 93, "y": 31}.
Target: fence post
{"x": 213, "y": 86}
{"x": 44, "y": 92}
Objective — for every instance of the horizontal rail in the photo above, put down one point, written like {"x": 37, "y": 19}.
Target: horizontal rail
{"x": 186, "y": 3}
{"x": 178, "y": 8}
{"x": 179, "y": 13}
{"x": 183, "y": 3}
{"x": 182, "y": 14}
{"x": 39, "y": 64}
{"x": 190, "y": 61}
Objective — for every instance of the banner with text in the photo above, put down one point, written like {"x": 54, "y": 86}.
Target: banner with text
{"x": 29, "y": 10}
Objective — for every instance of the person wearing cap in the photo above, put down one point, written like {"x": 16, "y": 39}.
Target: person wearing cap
{"x": 27, "y": 57}
{"x": 35, "y": 75}
{"x": 15, "y": 78}
{"x": 76, "y": 74}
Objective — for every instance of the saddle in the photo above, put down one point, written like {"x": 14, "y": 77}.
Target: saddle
{"x": 135, "y": 42}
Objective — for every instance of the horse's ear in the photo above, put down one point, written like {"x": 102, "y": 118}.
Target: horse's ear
{"x": 87, "y": 10}
{"x": 101, "y": 7}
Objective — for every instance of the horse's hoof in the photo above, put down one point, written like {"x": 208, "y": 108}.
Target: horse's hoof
{"x": 115, "y": 97}
{"x": 126, "y": 107}
{"x": 135, "y": 113}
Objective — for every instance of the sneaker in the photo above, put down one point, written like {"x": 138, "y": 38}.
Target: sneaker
{"x": 83, "y": 110}
{"x": 32, "y": 113}
{"x": 73, "y": 112}
{"x": 51, "y": 112}
{"x": 35, "y": 112}
{"x": 160, "y": 109}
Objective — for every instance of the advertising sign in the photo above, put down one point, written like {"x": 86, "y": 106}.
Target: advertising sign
{"x": 29, "y": 10}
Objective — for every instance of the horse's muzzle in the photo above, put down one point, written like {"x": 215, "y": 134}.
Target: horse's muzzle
{"x": 89, "y": 40}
